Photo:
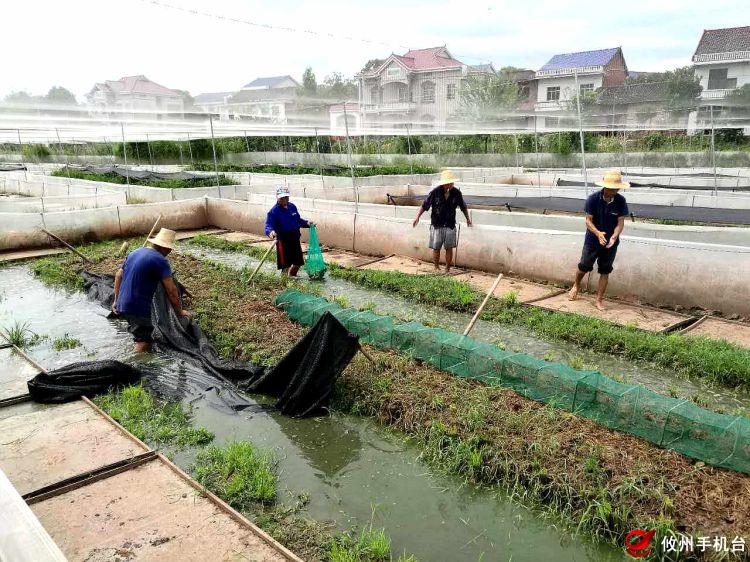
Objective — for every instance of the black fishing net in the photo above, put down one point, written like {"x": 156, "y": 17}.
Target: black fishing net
{"x": 87, "y": 378}
{"x": 303, "y": 380}
{"x": 12, "y": 167}
{"x": 138, "y": 174}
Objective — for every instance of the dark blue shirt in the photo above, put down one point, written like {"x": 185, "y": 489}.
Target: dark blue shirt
{"x": 286, "y": 222}
{"x": 605, "y": 215}
{"x": 444, "y": 209}
{"x": 142, "y": 272}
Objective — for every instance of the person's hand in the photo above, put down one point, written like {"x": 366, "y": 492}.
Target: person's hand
{"x": 114, "y": 307}
{"x": 272, "y": 235}
{"x": 612, "y": 241}
{"x": 311, "y": 223}
{"x": 415, "y": 223}
{"x": 602, "y": 238}
{"x": 469, "y": 223}
{"x": 186, "y": 313}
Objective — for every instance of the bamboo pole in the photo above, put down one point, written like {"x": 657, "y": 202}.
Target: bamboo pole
{"x": 481, "y": 306}
{"x": 22, "y": 353}
{"x": 262, "y": 261}
{"x": 68, "y": 246}
{"x": 151, "y": 232}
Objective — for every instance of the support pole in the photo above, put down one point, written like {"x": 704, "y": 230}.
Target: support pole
{"x": 190, "y": 150}
{"x": 262, "y": 261}
{"x": 580, "y": 132}
{"x": 151, "y": 232}
{"x": 67, "y": 158}
{"x": 408, "y": 148}
{"x": 125, "y": 154}
{"x": 20, "y": 149}
{"x": 150, "y": 155}
{"x": 213, "y": 147}
{"x": 713, "y": 152}
{"x": 536, "y": 149}
{"x": 320, "y": 161}
{"x": 349, "y": 156}
{"x": 481, "y": 306}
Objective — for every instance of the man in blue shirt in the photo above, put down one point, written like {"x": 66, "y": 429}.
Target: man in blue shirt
{"x": 136, "y": 282}
{"x": 282, "y": 224}
{"x": 605, "y": 218}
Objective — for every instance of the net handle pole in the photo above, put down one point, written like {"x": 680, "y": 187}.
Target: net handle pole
{"x": 481, "y": 306}
{"x": 262, "y": 261}
{"x": 22, "y": 353}
{"x": 366, "y": 353}
{"x": 68, "y": 246}
{"x": 151, "y": 232}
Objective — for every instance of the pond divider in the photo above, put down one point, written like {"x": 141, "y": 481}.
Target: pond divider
{"x": 716, "y": 439}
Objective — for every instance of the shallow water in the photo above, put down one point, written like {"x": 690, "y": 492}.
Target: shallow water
{"x": 512, "y": 338}
{"x": 349, "y": 466}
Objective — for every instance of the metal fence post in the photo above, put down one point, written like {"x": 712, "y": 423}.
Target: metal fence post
{"x": 20, "y": 148}
{"x": 713, "y": 151}
{"x": 125, "y": 154}
{"x": 213, "y": 147}
{"x": 580, "y": 132}
{"x": 349, "y": 155}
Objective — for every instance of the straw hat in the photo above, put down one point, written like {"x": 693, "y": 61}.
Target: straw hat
{"x": 447, "y": 176}
{"x": 282, "y": 191}
{"x": 613, "y": 180}
{"x": 165, "y": 239}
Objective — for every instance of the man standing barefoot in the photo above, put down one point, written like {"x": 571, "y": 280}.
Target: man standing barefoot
{"x": 605, "y": 218}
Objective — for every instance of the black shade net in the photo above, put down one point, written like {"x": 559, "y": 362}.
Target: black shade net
{"x": 87, "y": 378}
{"x": 138, "y": 174}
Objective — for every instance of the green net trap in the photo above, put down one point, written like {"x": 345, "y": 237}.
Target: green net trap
{"x": 716, "y": 439}
{"x": 314, "y": 264}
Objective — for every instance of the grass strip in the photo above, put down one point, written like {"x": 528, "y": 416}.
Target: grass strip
{"x": 717, "y": 361}
{"x": 112, "y": 177}
{"x": 359, "y": 171}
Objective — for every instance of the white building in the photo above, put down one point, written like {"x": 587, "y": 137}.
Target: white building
{"x": 722, "y": 61}
{"x": 591, "y": 70}
{"x": 269, "y": 99}
{"x": 135, "y": 95}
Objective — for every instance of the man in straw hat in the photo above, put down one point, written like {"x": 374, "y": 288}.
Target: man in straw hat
{"x": 283, "y": 224}
{"x": 443, "y": 199}
{"x": 605, "y": 218}
{"x": 136, "y": 282}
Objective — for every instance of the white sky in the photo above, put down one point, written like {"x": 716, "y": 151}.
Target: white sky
{"x": 75, "y": 43}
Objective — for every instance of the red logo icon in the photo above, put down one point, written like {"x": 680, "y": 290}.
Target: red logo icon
{"x": 637, "y": 543}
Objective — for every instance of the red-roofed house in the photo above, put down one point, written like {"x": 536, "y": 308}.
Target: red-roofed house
{"x": 135, "y": 94}
{"x": 420, "y": 88}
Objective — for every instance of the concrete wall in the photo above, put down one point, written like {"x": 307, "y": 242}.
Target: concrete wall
{"x": 23, "y": 230}
{"x": 658, "y": 271}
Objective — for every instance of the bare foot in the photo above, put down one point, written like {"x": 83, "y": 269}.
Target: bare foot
{"x": 573, "y": 293}
{"x": 599, "y": 304}
{"x": 436, "y": 268}
{"x": 447, "y": 270}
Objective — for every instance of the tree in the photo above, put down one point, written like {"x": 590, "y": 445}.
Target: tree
{"x": 336, "y": 87}
{"x": 485, "y": 95}
{"x": 372, "y": 64}
{"x": 19, "y": 98}
{"x": 309, "y": 83}
{"x": 683, "y": 85}
{"x": 187, "y": 99}
{"x": 58, "y": 95}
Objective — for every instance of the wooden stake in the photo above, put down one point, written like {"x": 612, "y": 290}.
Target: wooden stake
{"x": 151, "y": 232}
{"x": 262, "y": 261}
{"x": 366, "y": 353}
{"x": 68, "y": 246}
{"x": 481, "y": 306}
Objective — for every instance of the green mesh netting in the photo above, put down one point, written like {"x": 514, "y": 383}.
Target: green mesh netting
{"x": 713, "y": 438}
{"x": 314, "y": 264}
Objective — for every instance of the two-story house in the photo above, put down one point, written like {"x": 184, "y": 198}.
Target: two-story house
{"x": 556, "y": 81}
{"x": 419, "y": 88}
{"x": 722, "y": 61}
{"x": 133, "y": 95}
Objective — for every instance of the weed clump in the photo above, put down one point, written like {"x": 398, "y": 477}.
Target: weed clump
{"x": 239, "y": 473}
{"x": 65, "y": 342}
{"x": 20, "y": 335}
{"x": 152, "y": 420}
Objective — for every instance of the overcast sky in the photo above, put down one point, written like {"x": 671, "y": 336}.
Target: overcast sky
{"x": 75, "y": 43}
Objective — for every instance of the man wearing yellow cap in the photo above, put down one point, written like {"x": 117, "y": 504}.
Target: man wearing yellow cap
{"x": 605, "y": 218}
{"x": 443, "y": 199}
{"x": 136, "y": 282}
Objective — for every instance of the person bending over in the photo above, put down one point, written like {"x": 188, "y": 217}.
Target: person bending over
{"x": 283, "y": 224}
{"x": 136, "y": 282}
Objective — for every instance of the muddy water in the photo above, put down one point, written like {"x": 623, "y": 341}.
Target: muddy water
{"x": 349, "y": 467}
{"x": 512, "y": 338}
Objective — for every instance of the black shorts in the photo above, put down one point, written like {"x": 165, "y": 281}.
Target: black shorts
{"x": 604, "y": 256}
{"x": 140, "y": 328}
{"x": 288, "y": 252}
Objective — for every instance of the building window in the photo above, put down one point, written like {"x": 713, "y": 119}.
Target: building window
{"x": 553, "y": 93}
{"x": 403, "y": 93}
{"x": 450, "y": 92}
{"x": 586, "y": 89}
{"x": 717, "y": 80}
{"x": 428, "y": 92}
{"x": 374, "y": 95}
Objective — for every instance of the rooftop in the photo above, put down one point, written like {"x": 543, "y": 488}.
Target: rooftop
{"x": 434, "y": 58}
{"x": 271, "y": 82}
{"x": 580, "y": 60}
{"x": 642, "y": 92}
{"x": 727, "y": 40}
{"x": 138, "y": 84}
{"x": 212, "y": 97}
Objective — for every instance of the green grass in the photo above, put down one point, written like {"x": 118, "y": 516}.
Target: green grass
{"x": 370, "y": 545}
{"x": 152, "y": 420}
{"x": 52, "y": 272}
{"x": 20, "y": 335}
{"x": 359, "y": 171}
{"x": 714, "y": 360}
{"x": 65, "y": 342}
{"x": 216, "y": 243}
{"x": 239, "y": 473}
{"x": 111, "y": 177}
